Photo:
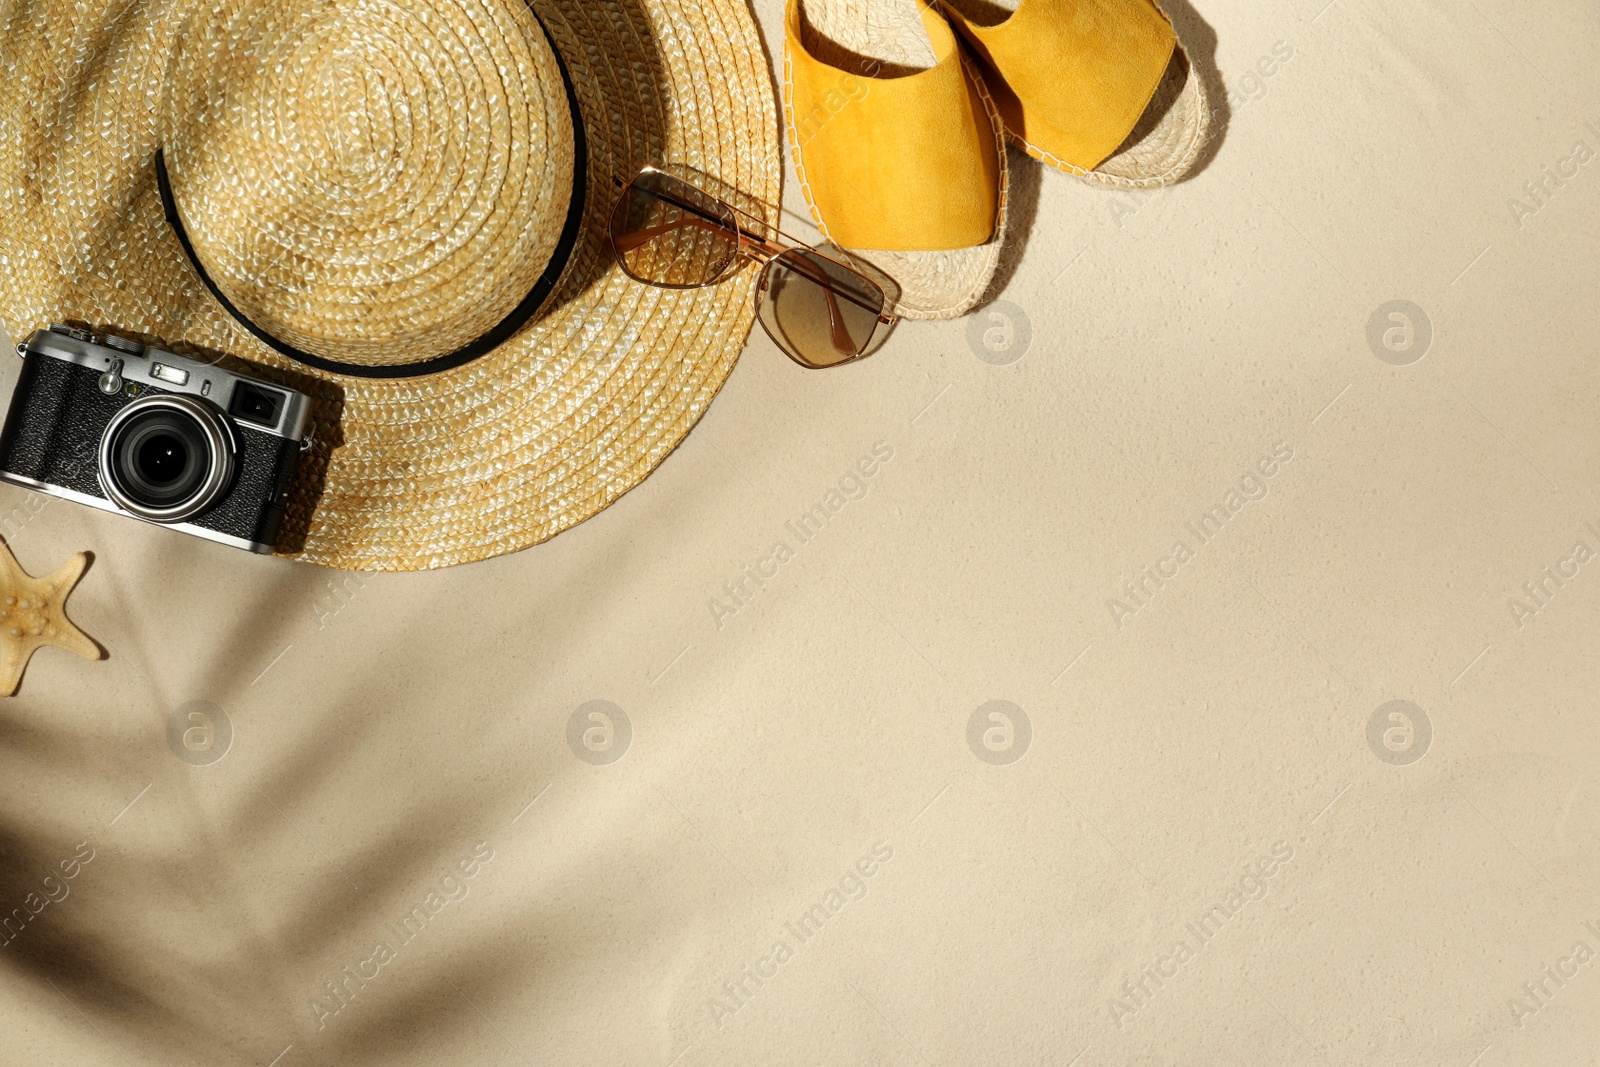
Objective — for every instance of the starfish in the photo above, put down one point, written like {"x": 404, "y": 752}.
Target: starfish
{"x": 33, "y": 614}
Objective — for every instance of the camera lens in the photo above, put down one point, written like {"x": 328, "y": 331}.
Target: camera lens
{"x": 166, "y": 458}
{"x": 162, "y": 459}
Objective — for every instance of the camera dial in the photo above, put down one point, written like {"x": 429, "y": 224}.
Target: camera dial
{"x": 167, "y": 458}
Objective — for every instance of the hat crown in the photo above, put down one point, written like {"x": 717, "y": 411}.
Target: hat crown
{"x": 377, "y": 184}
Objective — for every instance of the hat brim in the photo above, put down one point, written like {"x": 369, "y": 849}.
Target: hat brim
{"x": 413, "y": 473}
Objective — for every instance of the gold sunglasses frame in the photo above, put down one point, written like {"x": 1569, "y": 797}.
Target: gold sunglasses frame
{"x": 754, "y": 248}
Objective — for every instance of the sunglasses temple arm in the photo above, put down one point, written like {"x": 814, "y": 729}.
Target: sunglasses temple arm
{"x": 803, "y": 267}
{"x": 627, "y": 242}
{"x": 749, "y": 246}
{"x": 842, "y": 341}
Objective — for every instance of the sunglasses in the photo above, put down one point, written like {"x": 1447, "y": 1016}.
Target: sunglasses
{"x": 670, "y": 234}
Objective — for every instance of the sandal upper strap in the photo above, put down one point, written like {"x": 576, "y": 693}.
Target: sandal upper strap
{"x": 1076, "y": 74}
{"x": 904, "y": 162}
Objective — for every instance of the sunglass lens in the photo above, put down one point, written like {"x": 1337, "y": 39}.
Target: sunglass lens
{"x": 668, "y": 233}
{"x": 820, "y": 312}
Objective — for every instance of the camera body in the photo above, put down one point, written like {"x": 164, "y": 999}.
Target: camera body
{"x": 142, "y": 432}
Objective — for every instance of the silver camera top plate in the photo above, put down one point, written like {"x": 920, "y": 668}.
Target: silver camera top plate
{"x": 261, "y": 405}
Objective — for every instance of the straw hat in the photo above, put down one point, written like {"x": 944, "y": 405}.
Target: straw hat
{"x": 399, "y": 207}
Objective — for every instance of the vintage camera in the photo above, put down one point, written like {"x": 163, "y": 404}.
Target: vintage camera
{"x": 109, "y": 423}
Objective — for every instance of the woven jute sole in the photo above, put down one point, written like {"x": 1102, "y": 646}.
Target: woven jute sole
{"x": 933, "y": 285}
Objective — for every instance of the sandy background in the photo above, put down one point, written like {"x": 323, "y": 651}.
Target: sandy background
{"x": 1213, "y": 763}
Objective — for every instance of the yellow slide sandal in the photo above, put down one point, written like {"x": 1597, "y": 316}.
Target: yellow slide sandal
{"x": 899, "y": 147}
{"x": 1099, "y": 88}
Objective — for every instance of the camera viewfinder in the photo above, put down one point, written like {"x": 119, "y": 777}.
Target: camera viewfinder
{"x": 255, "y": 404}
